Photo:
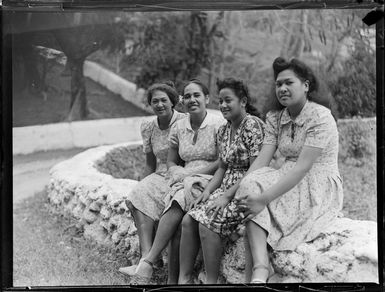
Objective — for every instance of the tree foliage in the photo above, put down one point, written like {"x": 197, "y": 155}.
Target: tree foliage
{"x": 168, "y": 46}
{"x": 355, "y": 89}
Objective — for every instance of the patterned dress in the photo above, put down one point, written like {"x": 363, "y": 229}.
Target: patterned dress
{"x": 148, "y": 195}
{"x": 196, "y": 154}
{"x": 236, "y": 155}
{"x": 302, "y": 213}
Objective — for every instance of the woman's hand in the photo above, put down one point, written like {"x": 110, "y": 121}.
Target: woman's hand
{"x": 250, "y": 206}
{"x": 202, "y": 198}
{"x": 218, "y": 205}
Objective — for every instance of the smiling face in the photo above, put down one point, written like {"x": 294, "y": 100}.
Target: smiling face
{"x": 194, "y": 100}
{"x": 231, "y": 106}
{"x": 161, "y": 103}
{"x": 290, "y": 90}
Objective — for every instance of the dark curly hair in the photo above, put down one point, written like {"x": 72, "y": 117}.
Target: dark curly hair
{"x": 196, "y": 81}
{"x": 167, "y": 87}
{"x": 317, "y": 93}
{"x": 240, "y": 89}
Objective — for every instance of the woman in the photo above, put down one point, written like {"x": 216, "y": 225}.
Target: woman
{"x": 192, "y": 140}
{"x": 239, "y": 144}
{"x": 146, "y": 201}
{"x": 295, "y": 203}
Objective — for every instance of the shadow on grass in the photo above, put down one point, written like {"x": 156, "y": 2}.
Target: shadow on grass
{"x": 50, "y": 250}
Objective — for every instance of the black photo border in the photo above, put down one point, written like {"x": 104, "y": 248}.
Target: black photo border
{"x": 6, "y": 202}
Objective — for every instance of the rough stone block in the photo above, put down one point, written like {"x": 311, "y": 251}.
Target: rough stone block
{"x": 95, "y": 207}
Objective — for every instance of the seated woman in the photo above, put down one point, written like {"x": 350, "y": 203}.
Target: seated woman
{"x": 239, "y": 143}
{"x": 192, "y": 140}
{"x": 295, "y": 203}
{"x": 146, "y": 200}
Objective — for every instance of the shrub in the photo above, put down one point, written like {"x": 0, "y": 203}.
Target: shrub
{"x": 357, "y": 138}
{"x": 123, "y": 162}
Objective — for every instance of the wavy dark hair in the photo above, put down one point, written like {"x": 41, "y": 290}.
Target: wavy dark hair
{"x": 167, "y": 87}
{"x": 241, "y": 90}
{"x": 196, "y": 81}
{"x": 317, "y": 91}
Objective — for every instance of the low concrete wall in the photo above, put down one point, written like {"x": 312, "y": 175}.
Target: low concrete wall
{"x": 345, "y": 252}
{"x": 80, "y": 134}
{"x": 76, "y": 134}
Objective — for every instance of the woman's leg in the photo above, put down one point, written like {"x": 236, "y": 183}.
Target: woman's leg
{"x": 258, "y": 247}
{"x": 212, "y": 253}
{"x": 248, "y": 259}
{"x": 167, "y": 226}
{"x": 145, "y": 226}
{"x": 189, "y": 248}
{"x": 173, "y": 258}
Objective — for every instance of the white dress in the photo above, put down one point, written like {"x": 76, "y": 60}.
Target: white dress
{"x": 195, "y": 155}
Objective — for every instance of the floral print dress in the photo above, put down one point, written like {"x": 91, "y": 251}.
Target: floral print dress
{"x": 236, "y": 155}
{"x": 148, "y": 195}
{"x": 300, "y": 214}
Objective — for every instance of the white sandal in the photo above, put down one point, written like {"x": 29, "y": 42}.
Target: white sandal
{"x": 257, "y": 279}
{"x": 144, "y": 269}
{"x": 129, "y": 270}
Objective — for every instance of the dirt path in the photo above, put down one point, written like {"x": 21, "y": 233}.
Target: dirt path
{"x": 31, "y": 172}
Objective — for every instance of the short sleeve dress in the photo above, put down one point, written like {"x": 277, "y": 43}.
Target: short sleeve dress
{"x": 300, "y": 214}
{"x": 148, "y": 195}
{"x": 236, "y": 155}
{"x": 196, "y": 154}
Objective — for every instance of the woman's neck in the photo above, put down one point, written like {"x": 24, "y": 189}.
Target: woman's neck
{"x": 164, "y": 121}
{"x": 237, "y": 121}
{"x": 295, "y": 110}
{"x": 196, "y": 120}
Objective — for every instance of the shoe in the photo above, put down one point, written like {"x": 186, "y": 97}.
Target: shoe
{"x": 129, "y": 271}
{"x": 261, "y": 273}
{"x": 144, "y": 270}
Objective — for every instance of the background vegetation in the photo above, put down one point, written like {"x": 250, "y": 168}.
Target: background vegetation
{"x": 146, "y": 47}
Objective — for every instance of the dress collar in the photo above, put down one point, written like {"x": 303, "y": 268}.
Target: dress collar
{"x": 173, "y": 119}
{"x": 204, "y": 123}
{"x": 299, "y": 120}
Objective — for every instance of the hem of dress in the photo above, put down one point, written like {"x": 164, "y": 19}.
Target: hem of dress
{"x": 143, "y": 211}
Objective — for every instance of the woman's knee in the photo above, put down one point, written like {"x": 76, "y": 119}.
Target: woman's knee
{"x": 205, "y": 233}
{"x": 187, "y": 221}
{"x": 130, "y": 206}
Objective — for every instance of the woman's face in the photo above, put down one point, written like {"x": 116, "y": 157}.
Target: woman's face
{"x": 161, "y": 103}
{"x": 289, "y": 89}
{"x": 230, "y": 105}
{"x": 194, "y": 100}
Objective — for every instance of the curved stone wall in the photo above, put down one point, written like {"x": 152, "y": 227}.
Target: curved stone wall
{"x": 93, "y": 185}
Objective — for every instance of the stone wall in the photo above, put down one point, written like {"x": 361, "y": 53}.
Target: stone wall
{"x": 93, "y": 185}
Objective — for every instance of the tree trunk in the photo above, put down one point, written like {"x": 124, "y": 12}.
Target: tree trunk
{"x": 78, "y": 104}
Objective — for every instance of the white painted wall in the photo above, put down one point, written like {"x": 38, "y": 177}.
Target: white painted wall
{"x": 76, "y": 134}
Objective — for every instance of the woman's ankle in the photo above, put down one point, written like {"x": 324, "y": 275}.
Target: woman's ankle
{"x": 185, "y": 278}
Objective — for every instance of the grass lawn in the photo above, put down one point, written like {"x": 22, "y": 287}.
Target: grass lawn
{"x": 50, "y": 250}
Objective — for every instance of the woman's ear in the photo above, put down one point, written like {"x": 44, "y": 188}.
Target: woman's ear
{"x": 243, "y": 101}
{"x": 207, "y": 98}
{"x": 307, "y": 85}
